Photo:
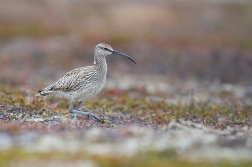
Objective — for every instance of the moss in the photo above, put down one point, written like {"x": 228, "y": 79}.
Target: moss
{"x": 122, "y": 108}
{"x": 133, "y": 108}
{"x": 142, "y": 159}
{"x": 8, "y": 30}
{"x": 120, "y": 39}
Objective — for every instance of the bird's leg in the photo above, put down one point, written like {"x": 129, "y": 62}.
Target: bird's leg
{"x": 71, "y": 110}
{"x": 76, "y": 108}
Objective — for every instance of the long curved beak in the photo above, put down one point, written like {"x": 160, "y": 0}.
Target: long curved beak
{"x": 122, "y": 54}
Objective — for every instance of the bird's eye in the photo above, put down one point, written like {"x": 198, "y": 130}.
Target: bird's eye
{"x": 106, "y": 49}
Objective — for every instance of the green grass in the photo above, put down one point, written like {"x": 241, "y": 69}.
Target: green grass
{"x": 142, "y": 159}
{"x": 137, "y": 107}
{"x": 134, "y": 105}
{"x": 9, "y": 30}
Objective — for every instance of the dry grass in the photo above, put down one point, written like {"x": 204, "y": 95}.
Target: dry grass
{"x": 44, "y": 131}
{"x": 180, "y": 114}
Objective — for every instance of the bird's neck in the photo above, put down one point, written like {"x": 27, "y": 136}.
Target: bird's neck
{"x": 100, "y": 61}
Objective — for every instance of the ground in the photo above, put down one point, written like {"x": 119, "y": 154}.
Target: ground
{"x": 147, "y": 126}
{"x": 187, "y": 102}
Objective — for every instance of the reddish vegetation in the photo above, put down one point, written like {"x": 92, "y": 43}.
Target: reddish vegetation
{"x": 188, "y": 97}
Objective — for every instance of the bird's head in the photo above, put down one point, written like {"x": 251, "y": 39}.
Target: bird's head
{"x": 104, "y": 50}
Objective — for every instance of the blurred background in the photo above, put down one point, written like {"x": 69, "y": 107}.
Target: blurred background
{"x": 205, "y": 41}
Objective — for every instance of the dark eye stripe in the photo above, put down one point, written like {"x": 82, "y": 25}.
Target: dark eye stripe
{"x": 106, "y": 49}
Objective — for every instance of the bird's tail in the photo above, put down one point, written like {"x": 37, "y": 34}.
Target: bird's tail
{"x": 42, "y": 93}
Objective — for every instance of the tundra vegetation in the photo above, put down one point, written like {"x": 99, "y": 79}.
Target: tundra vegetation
{"x": 188, "y": 101}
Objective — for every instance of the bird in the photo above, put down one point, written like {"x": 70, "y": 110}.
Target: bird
{"x": 81, "y": 84}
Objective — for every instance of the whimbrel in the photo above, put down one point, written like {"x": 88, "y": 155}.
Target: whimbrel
{"x": 83, "y": 83}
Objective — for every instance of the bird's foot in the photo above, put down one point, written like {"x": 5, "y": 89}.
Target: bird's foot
{"x": 96, "y": 119}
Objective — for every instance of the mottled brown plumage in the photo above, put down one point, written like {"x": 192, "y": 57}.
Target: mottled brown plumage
{"x": 83, "y": 83}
